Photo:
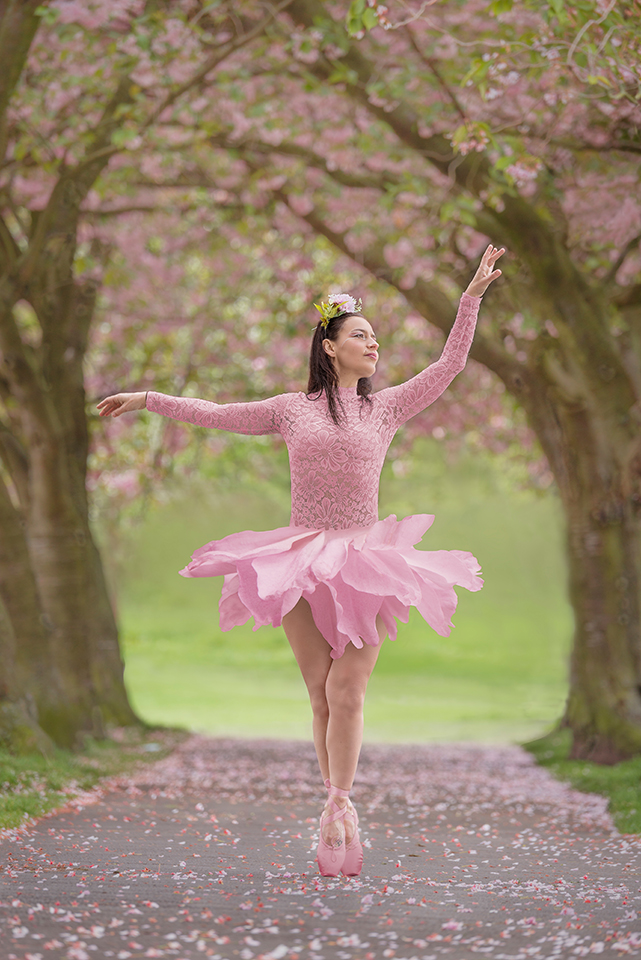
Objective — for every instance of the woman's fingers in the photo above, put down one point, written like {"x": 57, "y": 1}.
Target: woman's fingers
{"x": 490, "y": 257}
{"x": 116, "y": 398}
{"x": 108, "y": 405}
{"x": 117, "y": 404}
{"x": 486, "y": 270}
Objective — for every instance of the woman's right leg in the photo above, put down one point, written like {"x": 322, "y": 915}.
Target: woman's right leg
{"x": 312, "y": 653}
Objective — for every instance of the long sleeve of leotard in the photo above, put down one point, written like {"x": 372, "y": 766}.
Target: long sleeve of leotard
{"x": 407, "y": 399}
{"x": 255, "y": 417}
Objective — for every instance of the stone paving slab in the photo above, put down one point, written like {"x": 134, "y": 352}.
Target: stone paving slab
{"x": 469, "y": 851}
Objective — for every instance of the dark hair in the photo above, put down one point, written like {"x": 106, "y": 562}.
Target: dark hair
{"x": 322, "y": 373}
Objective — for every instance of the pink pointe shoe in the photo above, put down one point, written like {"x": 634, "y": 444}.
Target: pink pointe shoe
{"x": 331, "y": 857}
{"x": 352, "y": 853}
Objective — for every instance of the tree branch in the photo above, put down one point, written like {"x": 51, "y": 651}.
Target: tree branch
{"x": 312, "y": 159}
{"x": 15, "y": 459}
{"x": 618, "y": 263}
{"x": 628, "y": 297}
{"x": 431, "y": 65}
{"x": 624, "y": 146}
{"x": 15, "y": 365}
{"x": 117, "y": 211}
{"x": 18, "y": 26}
{"x": 568, "y": 384}
{"x": 60, "y": 216}
{"x": 9, "y": 249}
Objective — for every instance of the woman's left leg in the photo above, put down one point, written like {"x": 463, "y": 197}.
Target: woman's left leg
{"x": 345, "y": 689}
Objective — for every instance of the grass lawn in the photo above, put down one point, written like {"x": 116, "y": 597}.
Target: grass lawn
{"x": 621, "y": 782}
{"x": 499, "y": 677}
{"x": 33, "y": 784}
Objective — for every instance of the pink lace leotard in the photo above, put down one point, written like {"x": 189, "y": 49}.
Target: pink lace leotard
{"x": 335, "y": 470}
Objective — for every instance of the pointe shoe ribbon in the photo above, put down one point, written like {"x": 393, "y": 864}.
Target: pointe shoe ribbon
{"x": 353, "y": 863}
{"x": 331, "y": 857}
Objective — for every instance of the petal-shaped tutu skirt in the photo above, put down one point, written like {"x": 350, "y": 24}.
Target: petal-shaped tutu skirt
{"x": 347, "y": 576}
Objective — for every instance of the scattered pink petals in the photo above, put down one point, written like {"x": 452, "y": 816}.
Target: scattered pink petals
{"x": 470, "y": 851}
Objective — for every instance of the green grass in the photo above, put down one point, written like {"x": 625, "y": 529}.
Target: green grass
{"x": 33, "y": 784}
{"x": 621, "y": 783}
{"x": 499, "y": 677}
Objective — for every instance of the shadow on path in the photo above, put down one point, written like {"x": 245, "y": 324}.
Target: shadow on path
{"x": 469, "y": 851}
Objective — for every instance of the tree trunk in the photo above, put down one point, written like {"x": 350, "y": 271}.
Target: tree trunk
{"x": 62, "y": 651}
{"x": 84, "y": 637}
{"x": 65, "y": 559}
{"x": 597, "y": 482}
{"x": 604, "y": 554}
{"x": 27, "y": 669}
{"x": 82, "y": 661}
{"x": 19, "y": 728}
{"x": 26, "y": 686}
{"x": 20, "y": 732}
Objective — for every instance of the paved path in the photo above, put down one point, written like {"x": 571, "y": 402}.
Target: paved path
{"x": 470, "y": 851}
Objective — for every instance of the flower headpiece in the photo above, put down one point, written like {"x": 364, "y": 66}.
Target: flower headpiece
{"x": 337, "y": 303}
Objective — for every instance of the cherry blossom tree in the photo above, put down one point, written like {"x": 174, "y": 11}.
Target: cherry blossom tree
{"x": 535, "y": 145}
{"x": 80, "y": 82}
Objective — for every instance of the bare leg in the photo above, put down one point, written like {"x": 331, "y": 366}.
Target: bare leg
{"x": 345, "y": 691}
{"x": 337, "y": 694}
{"x": 312, "y": 653}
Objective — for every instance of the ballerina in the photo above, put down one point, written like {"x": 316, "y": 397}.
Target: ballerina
{"x": 337, "y": 578}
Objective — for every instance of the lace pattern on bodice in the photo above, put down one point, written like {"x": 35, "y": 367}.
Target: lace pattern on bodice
{"x": 335, "y": 469}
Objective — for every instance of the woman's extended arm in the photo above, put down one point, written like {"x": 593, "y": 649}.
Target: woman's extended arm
{"x": 255, "y": 417}
{"x": 414, "y": 395}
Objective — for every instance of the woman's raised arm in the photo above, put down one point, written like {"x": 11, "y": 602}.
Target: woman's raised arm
{"x": 409, "y": 398}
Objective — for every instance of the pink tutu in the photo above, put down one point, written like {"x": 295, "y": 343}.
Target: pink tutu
{"x": 347, "y": 576}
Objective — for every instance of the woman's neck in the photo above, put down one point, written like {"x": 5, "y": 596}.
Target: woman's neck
{"x": 348, "y": 381}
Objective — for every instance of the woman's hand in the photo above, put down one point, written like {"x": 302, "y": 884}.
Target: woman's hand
{"x": 121, "y": 403}
{"x": 486, "y": 272}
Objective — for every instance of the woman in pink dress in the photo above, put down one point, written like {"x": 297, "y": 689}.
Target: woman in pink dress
{"x": 337, "y": 578}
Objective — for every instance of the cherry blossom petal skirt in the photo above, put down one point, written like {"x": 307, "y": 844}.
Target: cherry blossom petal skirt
{"x": 347, "y": 576}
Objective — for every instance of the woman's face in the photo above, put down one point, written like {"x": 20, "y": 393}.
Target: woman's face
{"x": 354, "y": 352}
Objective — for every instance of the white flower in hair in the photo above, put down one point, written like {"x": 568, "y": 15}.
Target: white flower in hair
{"x": 336, "y": 304}
{"x": 345, "y": 301}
